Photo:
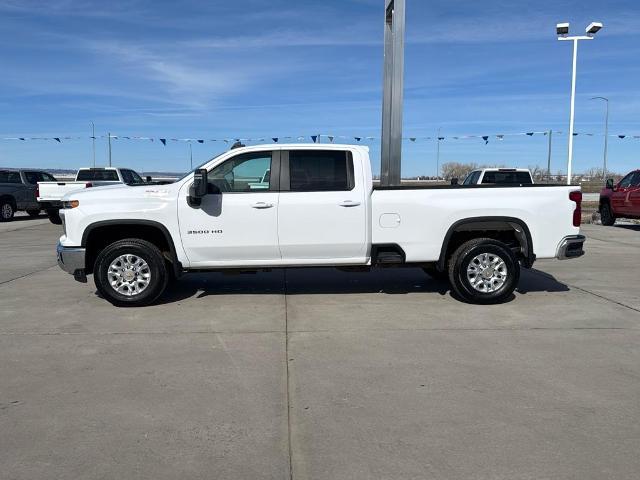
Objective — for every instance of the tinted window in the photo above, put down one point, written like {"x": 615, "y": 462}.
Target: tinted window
{"x": 130, "y": 177}
{"x": 472, "y": 178}
{"x": 48, "y": 178}
{"x": 635, "y": 182}
{"x": 317, "y": 171}
{"x": 506, "y": 177}
{"x": 244, "y": 173}
{"x": 33, "y": 177}
{"x": 97, "y": 175}
{"x": 9, "y": 177}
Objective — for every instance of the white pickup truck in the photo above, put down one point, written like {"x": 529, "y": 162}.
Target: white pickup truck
{"x": 320, "y": 209}
{"x": 49, "y": 194}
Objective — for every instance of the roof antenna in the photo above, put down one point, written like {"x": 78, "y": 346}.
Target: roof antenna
{"x": 238, "y": 144}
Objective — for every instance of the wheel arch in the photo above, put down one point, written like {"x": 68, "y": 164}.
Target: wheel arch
{"x": 4, "y": 197}
{"x": 100, "y": 234}
{"x": 492, "y": 227}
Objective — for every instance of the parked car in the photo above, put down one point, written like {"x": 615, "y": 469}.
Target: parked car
{"x": 50, "y": 193}
{"x": 621, "y": 200}
{"x": 18, "y": 191}
{"x": 321, "y": 209}
{"x": 499, "y": 176}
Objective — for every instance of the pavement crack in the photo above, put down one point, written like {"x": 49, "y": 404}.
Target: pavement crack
{"x": 27, "y": 274}
{"x": 286, "y": 353}
{"x": 584, "y": 290}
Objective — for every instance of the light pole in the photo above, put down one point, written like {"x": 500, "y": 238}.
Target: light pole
{"x": 606, "y": 137}
{"x": 438, "y": 155}
{"x": 93, "y": 139}
{"x": 562, "y": 29}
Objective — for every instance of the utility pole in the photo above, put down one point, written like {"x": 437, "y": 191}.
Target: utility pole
{"x": 549, "y": 157}
{"x": 438, "y": 155}
{"x": 109, "y": 148}
{"x": 392, "y": 92}
{"x": 606, "y": 138}
{"x": 93, "y": 139}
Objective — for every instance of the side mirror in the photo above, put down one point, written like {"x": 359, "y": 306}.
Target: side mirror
{"x": 148, "y": 179}
{"x": 199, "y": 187}
{"x": 609, "y": 184}
{"x": 454, "y": 181}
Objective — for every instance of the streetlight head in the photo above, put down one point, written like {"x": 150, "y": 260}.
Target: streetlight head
{"x": 593, "y": 28}
{"x": 562, "y": 29}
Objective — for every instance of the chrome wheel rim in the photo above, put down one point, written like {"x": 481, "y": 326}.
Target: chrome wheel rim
{"x": 487, "y": 272}
{"x": 129, "y": 275}
{"x": 7, "y": 211}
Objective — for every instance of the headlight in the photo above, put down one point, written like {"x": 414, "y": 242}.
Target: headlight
{"x": 70, "y": 204}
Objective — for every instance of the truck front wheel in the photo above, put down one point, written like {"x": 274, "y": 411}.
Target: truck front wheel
{"x": 484, "y": 271}
{"x": 606, "y": 215}
{"x": 130, "y": 273}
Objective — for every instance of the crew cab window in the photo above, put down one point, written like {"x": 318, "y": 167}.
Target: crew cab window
{"x": 320, "y": 171}
{"x": 97, "y": 175}
{"x": 506, "y": 177}
{"x": 9, "y": 177}
{"x": 130, "y": 177}
{"x": 35, "y": 177}
{"x": 248, "y": 172}
{"x": 472, "y": 178}
{"x": 630, "y": 180}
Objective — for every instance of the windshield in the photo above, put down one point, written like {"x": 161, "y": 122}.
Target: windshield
{"x": 199, "y": 166}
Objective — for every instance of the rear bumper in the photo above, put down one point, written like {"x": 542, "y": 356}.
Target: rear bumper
{"x": 571, "y": 247}
{"x": 71, "y": 260}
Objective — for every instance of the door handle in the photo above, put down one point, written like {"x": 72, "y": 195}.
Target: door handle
{"x": 261, "y": 205}
{"x": 349, "y": 203}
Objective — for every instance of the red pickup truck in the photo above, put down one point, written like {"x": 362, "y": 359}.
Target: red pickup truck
{"x": 621, "y": 200}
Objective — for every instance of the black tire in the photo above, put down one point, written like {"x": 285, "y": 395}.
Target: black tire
{"x": 466, "y": 254}
{"x": 33, "y": 213}
{"x": 141, "y": 249}
{"x": 606, "y": 215}
{"x": 54, "y": 217}
{"x": 7, "y": 210}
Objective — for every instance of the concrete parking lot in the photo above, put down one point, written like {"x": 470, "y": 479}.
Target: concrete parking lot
{"x": 320, "y": 374}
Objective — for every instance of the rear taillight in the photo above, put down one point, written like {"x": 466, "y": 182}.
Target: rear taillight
{"x": 88, "y": 185}
{"x": 577, "y": 213}
{"x": 37, "y": 190}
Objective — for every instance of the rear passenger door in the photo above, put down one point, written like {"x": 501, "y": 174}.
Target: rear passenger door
{"x": 322, "y": 211}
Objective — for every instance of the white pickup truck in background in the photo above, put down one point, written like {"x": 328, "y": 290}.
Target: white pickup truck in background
{"x": 49, "y": 194}
{"x": 499, "y": 176}
{"x": 320, "y": 209}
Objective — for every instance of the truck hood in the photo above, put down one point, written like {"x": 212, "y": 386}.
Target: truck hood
{"x": 122, "y": 192}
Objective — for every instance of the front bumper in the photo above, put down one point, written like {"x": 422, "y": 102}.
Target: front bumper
{"x": 571, "y": 247}
{"x": 71, "y": 260}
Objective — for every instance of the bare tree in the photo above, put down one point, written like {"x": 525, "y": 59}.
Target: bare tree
{"x": 457, "y": 170}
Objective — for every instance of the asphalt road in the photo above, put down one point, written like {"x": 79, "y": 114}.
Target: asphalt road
{"x": 319, "y": 374}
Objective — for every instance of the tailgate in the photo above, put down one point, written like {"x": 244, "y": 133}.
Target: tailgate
{"x": 54, "y": 191}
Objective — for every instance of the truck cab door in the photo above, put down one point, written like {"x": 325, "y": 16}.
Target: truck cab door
{"x": 621, "y": 195}
{"x": 323, "y": 210}
{"x": 236, "y": 223}
{"x": 634, "y": 196}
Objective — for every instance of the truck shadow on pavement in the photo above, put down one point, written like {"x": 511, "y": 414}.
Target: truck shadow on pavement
{"x": 330, "y": 281}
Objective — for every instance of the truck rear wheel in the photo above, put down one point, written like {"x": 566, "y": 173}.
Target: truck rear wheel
{"x": 130, "y": 273}
{"x": 54, "y": 217}
{"x": 606, "y": 215}
{"x": 484, "y": 271}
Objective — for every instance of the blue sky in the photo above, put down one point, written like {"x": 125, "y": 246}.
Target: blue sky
{"x": 253, "y": 68}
